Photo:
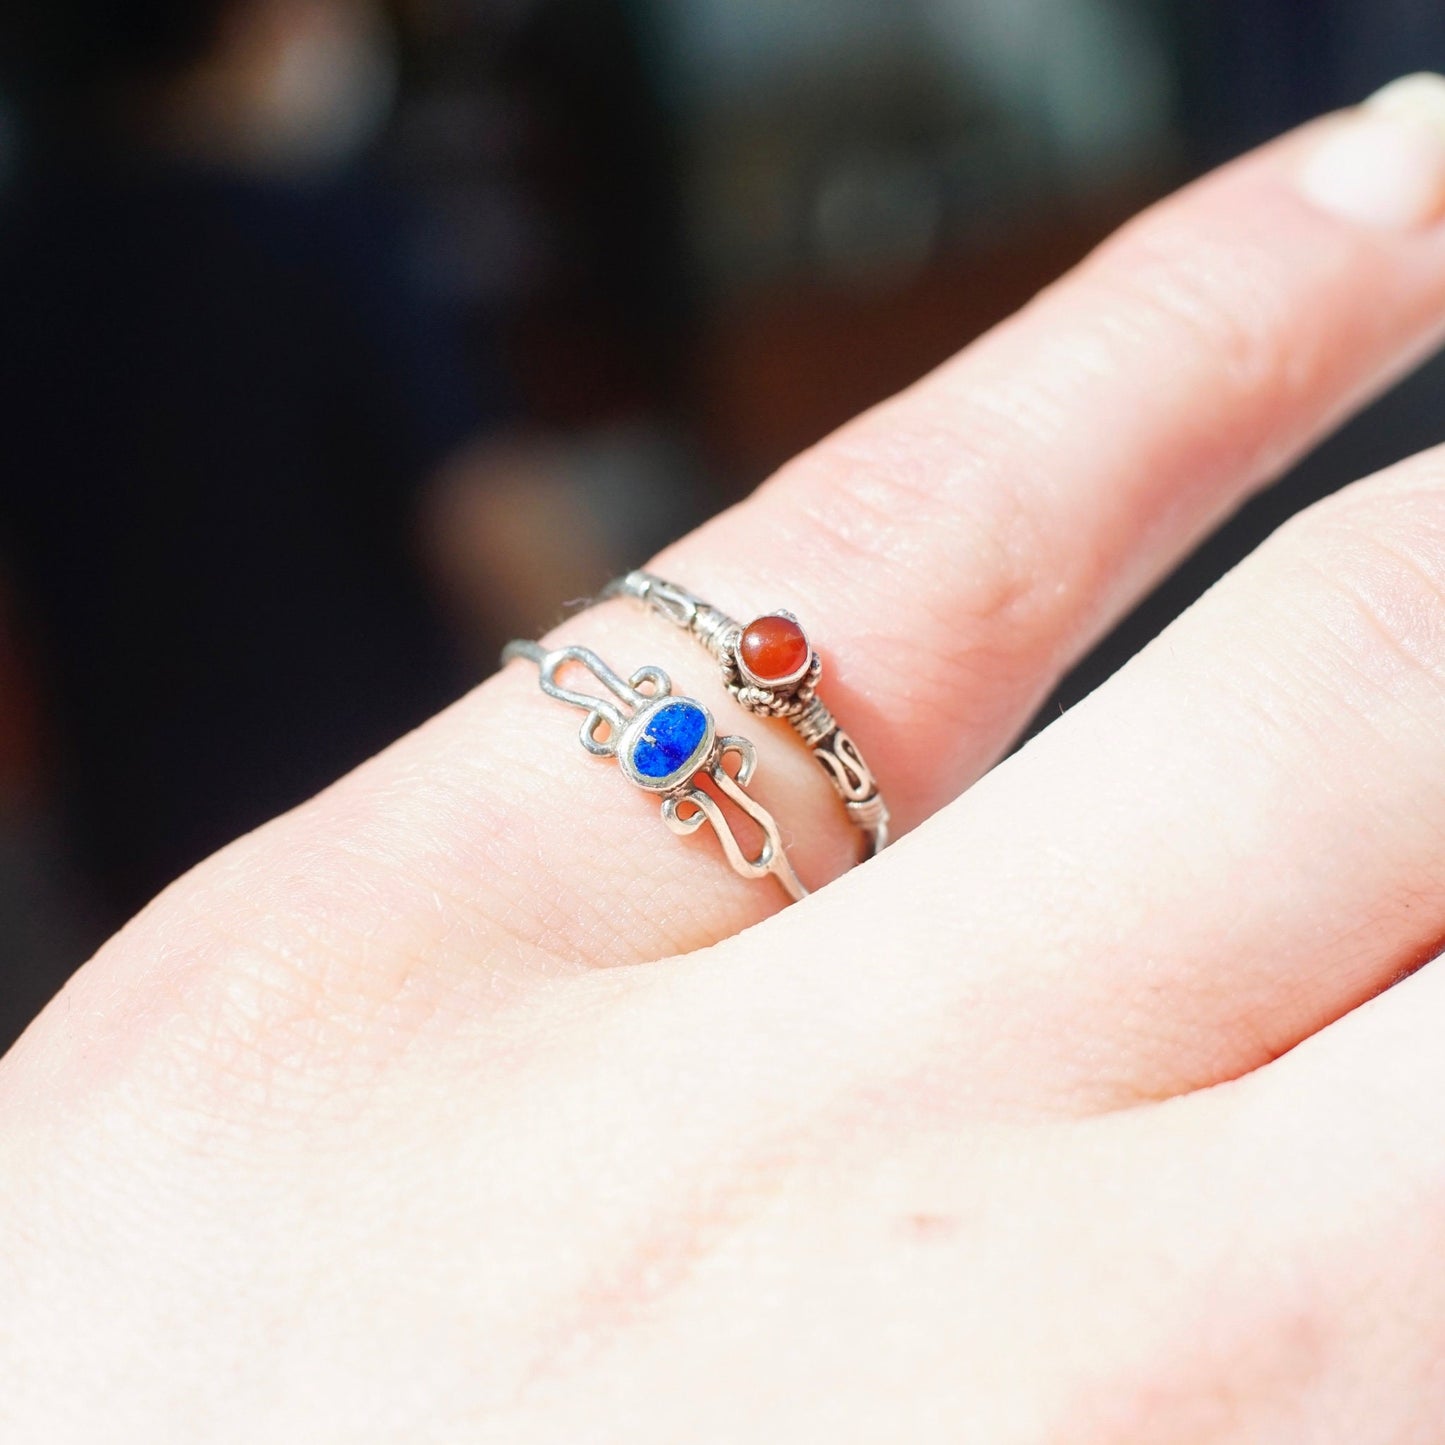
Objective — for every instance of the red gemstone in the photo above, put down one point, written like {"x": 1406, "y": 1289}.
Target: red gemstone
{"x": 774, "y": 649}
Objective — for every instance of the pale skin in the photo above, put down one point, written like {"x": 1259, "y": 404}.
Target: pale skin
{"x": 467, "y": 1103}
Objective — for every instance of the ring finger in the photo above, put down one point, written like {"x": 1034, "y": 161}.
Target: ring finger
{"x": 956, "y": 549}
{"x": 951, "y": 551}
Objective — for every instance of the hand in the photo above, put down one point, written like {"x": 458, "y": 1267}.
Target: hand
{"x": 457, "y": 1104}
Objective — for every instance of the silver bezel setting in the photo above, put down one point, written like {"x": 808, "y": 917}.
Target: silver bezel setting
{"x": 773, "y": 684}
{"x": 697, "y": 759}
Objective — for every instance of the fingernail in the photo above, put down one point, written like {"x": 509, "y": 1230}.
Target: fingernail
{"x": 1384, "y": 163}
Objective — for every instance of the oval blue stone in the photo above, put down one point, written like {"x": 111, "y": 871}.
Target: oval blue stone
{"x": 669, "y": 739}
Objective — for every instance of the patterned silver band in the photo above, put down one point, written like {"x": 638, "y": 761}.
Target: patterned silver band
{"x": 794, "y": 698}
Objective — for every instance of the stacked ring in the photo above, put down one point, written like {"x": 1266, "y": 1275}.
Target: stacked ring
{"x": 770, "y": 667}
{"x": 664, "y": 745}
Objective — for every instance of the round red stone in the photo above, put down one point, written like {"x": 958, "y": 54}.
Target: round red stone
{"x": 774, "y": 649}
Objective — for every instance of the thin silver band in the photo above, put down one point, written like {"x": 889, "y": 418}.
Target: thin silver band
{"x": 797, "y": 703}
{"x": 663, "y": 744}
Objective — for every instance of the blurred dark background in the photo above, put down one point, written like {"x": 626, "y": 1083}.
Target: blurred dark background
{"x": 340, "y": 340}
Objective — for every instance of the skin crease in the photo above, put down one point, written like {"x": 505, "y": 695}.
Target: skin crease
{"x": 465, "y": 1103}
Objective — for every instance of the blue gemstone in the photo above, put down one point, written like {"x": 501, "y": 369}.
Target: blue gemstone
{"x": 669, "y": 739}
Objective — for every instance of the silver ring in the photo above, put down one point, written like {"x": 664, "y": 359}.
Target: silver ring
{"x": 663, "y": 744}
{"x": 770, "y": 667}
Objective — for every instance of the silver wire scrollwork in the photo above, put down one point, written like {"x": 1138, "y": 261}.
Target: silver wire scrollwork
{"x": 685, "y": 805}
{"x": 705, "y": 806}
{"x": 845, "y": 765}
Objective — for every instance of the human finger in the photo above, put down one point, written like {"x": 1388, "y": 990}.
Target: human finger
{"x": 1233, "y": 842}
{"x": 951, "y": 551}
{"x": 957, "y": 547}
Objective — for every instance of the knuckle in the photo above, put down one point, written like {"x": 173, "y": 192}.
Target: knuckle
{"x": 904, "y": 495}
{"x": 1218, "y": 314}
{"x": 1201, "y": 301}
{"x": 1376, "y": 554}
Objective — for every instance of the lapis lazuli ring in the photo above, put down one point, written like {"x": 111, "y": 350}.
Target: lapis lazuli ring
{"x": 664, "y": 745}
{"x": 770, "y": 667}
